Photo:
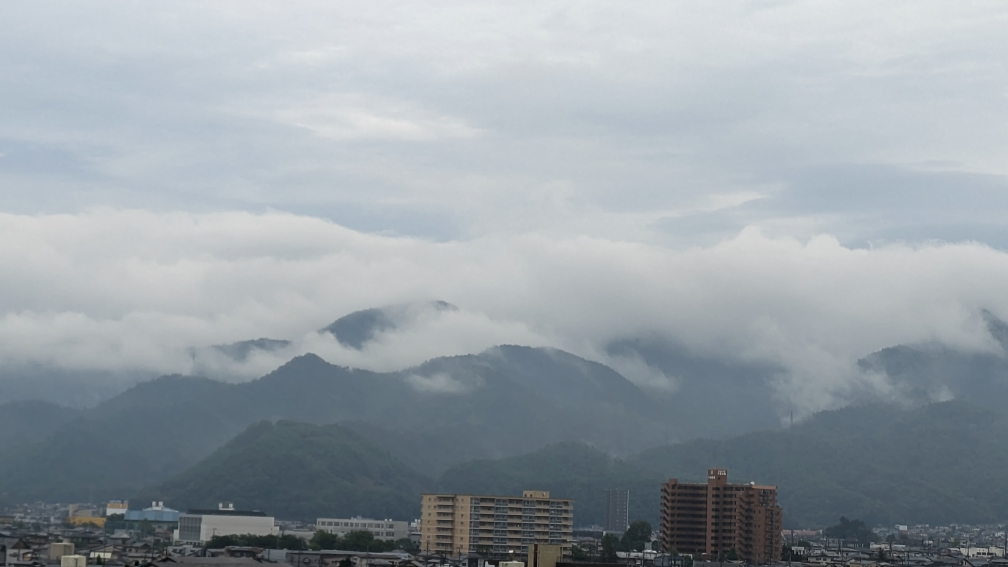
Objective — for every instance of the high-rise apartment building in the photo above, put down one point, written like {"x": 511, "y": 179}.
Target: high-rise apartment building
{"x": 454, "y": 524}
{"x": 617, "y": 510}
{"x": 713, "y": 518}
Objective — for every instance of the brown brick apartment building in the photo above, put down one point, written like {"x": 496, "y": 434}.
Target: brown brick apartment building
{"x": 710, "y": 519}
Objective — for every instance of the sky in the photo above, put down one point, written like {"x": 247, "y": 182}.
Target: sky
{"x": 788, "y": 181}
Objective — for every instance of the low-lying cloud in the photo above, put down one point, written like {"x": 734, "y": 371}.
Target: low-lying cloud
{"x": 135, "y": 290}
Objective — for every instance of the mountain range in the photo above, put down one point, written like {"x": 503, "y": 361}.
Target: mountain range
{"x": 512, "y": 407}
{"x": 940, "y": 463}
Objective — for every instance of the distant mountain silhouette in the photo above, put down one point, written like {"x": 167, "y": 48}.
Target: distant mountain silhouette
{"x": 298, "y": 471}
{"x": 241, "y": 350}
{"x": 929, "y": 372}
{"x": 360, "y": 327}
{"x": 940, "y": 463}
{"x": 504, "y": 401}
{"x": 29, "y": 421}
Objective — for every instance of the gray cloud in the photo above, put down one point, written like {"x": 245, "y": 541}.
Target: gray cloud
{"x": 450, "y": 120}
{"x": 121, "y": 289}
{"x": 794, "y": 182}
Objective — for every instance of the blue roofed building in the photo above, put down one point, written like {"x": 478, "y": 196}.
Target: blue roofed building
{"x": 156, "y": 513}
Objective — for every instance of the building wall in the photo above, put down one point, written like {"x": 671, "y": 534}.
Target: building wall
{"x": 200, "y": 528}
{"x": 501, "y": 525}
{"x": 381, "y": 529}
{"x": 59, "y": 549}
{"x": 152, "y": 515}
{"x": 116, "y": 507}
{"x": 86, "y": 520}
{"x": 237, "y": 525}
{"x": 713, "y": 518}
{"x": 617, "y": 510}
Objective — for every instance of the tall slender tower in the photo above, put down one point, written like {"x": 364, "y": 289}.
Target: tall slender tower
{"x": 617, "y": 510}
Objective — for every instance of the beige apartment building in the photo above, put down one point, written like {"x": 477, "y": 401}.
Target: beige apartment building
{"x": 502, "y": 526}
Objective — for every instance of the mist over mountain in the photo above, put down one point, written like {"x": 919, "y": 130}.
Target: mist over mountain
{"x": 505, "y": 401}
{"x": 360, "y": 327}
{"x": 710, "y": 397}
{"x": 240, "y": 351}
{"x": 77, "y": 388}
{"x": 28, "y": 421}
{"x": 933, "y": 371}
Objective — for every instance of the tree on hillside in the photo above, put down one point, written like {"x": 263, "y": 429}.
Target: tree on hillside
{"x": 637, "y": 536}
{"x": 851, "y": 530}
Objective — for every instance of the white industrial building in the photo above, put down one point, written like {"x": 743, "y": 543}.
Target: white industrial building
{"x": 197, "y": 527}
{"x": 381, "y": 529}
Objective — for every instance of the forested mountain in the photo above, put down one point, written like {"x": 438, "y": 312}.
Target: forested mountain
{"x": 28, "y": 421}
{"x": 502, "y": 402}
{"x": 510, "y": 400}
{"x": 942, "y": 463}
{"x": 298, "y": 470}
{"x": 934, "y": 371}
{"x": 945, "y": 462}
{"x": 360, "y": 327}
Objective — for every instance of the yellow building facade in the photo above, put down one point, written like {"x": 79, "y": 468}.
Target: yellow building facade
{"x": 503, "y": 526}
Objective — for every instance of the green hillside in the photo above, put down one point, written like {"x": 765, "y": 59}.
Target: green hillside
{"x": 941, "y": 463}
{"x": 298, "y": 471}
{"x": 946, "y": 462}
{"x": 443, "y": 412}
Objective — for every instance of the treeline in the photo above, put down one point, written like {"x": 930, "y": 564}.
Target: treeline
{"x": 353, "y": 541}
{"x": 287, "y": 541}
{"x": 359, "y": 541}
{"x": 634, "y": 539}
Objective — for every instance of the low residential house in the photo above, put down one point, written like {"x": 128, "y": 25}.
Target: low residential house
{"x": 103, "y": 554}
{"x": 236, "y": 551}
{"x": 192, "y": 561}
{"x": 16, "y": 551}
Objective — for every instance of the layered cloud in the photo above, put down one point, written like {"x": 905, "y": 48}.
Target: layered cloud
{"x": 791, "y": 182}
{"x": 451, "y": 120}
{"x": 129, "y": 289}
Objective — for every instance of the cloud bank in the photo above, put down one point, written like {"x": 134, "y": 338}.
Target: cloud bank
{"x": 131, "y": 289}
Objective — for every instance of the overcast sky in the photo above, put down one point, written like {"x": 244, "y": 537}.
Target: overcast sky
{"x": 797, "y": 181}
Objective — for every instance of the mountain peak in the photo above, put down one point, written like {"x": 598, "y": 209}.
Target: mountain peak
{"x": 356, "y": 329}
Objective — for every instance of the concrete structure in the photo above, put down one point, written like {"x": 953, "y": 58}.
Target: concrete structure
{"x": 707, "y": 520}
{"x": 87, "y": 521}
{"x": 156, "y": 513}
{"x": 73, "y": 561}
{"x": 58, "y": 550}
{"x": 197, "y": 527}
{"x": 381, "y": 529}
{"x": 116, "y": 507}
{"x": 455, "y": 524}
{"x": 982, "y": 552}
{"x": 544, "y": 555}
{"x": 617, "y": 511}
